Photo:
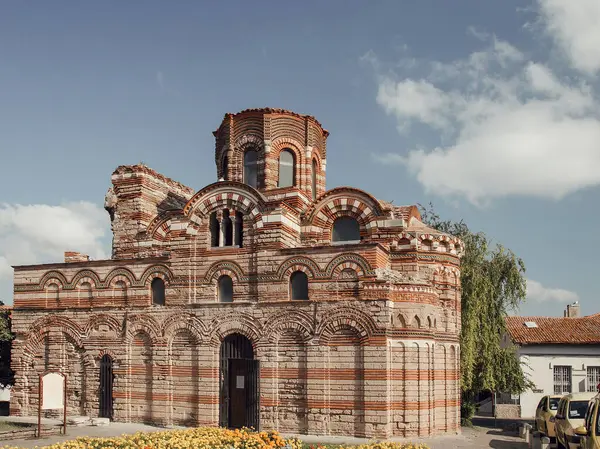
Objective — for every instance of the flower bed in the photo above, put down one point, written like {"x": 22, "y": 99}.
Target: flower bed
{"x": 204, "y": 438}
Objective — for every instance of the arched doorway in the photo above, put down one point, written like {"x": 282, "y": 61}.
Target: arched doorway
{"x": 239, "y": 376}
{"x": 106, "y": 387}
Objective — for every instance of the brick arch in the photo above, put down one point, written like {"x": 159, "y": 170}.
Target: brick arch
{"x": 103, "y": 318}
{"x": 87, "y": 274}
{"x": 286, "y": 143}
{"x": 298, "y": 263}
{"x": 120, "y": 273}
{"x": 40, "y": 328}
{"x": 243, "y": 324}
{"x": 345, "y": 317}
{"x": 183, "y": 321}
{"x": 242, "y": 144}
{"x": 160, "y": 271}
{"x": 349, "y": 260}
{"x": 142, "y": 323}
{"x": 282, "y": 321}
{"x": 416, "y": 321}
{"x": 53, "y": 276}
{"x": 401, "y": 323}
{"x": 113, "y": 355}
{"x": 226, "y": 195}
{"x": 228, "y": 267}
{"x": 331, "y": 202}
{"x": 160, "y": 222}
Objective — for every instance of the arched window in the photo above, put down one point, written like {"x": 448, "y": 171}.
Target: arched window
{"x": 286, "y": 169}
{"x": 225, "y": 168}
{"x": 345, "y": 229}
{"x": 299, "y": 285}
{"x": 227, "y": 229}
{"x": 225, "y": 289}
{"x": 239, "y": 229}
{"x": 214, "y": 230}
{"x": 158, "y": 292}
{"x": 313, "y": 179}
{"x": 251, "y": 168}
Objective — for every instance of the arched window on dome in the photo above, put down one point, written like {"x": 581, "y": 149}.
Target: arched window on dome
{"x": 225, "y": 168}
{"x": 313, "y": 179}
{"x": 345, "y": 230}
{"x": 251, "y": 168}
{"x": 225, "y": 289}
{"x": 158, "y": 292}
{"x": 299, "y": 286}
{"x": 286, "y": 169}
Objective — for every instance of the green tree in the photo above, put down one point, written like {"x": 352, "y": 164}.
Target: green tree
{"x": 6, "y": 337}
{"x": 493, "y": 283}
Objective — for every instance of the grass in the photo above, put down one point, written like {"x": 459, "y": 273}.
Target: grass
{"x": 6, "y": 426}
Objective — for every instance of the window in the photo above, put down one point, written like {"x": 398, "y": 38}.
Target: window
{"x": 299, "y": 285}
{"x": 593, "y": 378}
{"x": 345, "y": 229}
{"x": 214, "y": 229}
{"x": 251, "y": 168}
{"x": 158, "y": 292}
{"x": 225, "y": 168}
{"x": 577, "y": 409}
{"x": 227, "y": 229}
{"x": 286, "y": 169}
{"x": 562, "y": 379}
{"x": 553, "y": 403}
{"x": 225, "y": 289}
{"x": 313, "y": 179}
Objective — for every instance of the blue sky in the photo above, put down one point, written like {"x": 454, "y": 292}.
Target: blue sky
{"x": 490, "y": 110}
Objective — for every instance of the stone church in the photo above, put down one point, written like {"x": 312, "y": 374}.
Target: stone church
{"x": 262, "y": 299}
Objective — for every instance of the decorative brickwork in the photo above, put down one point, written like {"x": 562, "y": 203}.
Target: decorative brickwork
{"x": 371, "y": 351}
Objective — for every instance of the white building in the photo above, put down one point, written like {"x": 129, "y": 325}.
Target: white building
{"x": 560, "y": 355}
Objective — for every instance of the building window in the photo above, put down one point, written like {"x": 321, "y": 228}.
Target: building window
{"x": 227, "y": 229}
{"x": 251, "y": 168}
{"x": 345, "y": 229}
{"x": 286, "y": 169}
{"x": 158, "y": 292}
{"x": 593, "y": 378}
{"x": 225, "y": 289}
{"x": 562, "y": 379}
{"x": 225, "y": 168}
{"x": 214, "y": 230}
{"x": 299, "y": 285}
{"x": 313, "y": 179}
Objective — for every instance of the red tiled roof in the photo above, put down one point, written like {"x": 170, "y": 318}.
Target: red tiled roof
{"x": 583, "y": 330}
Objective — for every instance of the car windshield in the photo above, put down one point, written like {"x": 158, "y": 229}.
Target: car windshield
{"x": 577, "y": 409}
{"x": 554, "y": 403}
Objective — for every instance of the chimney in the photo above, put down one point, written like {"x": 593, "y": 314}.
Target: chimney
{"x": 573, "y": 310}
{"x": 73, "y": 257}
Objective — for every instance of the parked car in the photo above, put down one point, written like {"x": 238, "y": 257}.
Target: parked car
{"x": 545, "y": 413}
{"x": 570, "y": 415}
{"x": 590, "y": 430}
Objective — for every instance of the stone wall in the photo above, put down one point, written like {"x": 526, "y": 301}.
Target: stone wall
{"x": 373, "y": 351}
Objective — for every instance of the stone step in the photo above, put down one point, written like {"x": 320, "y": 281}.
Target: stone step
{"x": 100, "y": 422}
{"x": 79, "y": 421}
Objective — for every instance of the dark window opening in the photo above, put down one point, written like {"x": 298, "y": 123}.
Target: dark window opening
{"x": 345, "y": 229}
{"x": 286, "y": 169}
{"x": 227, "y": 229}
{"x": 251, "y": 168}
{"x": 158, "y": 292}
{"x": 214, "y": 230}
{"x": 299, "y": 285}
{"x": 225, "y": 289}
{"x": 225, "y": 168}
{"x": 239, "y": 229}
{"x": 313, "y": 179}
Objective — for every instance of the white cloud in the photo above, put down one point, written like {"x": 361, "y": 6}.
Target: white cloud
{"x": 537, "y": 292}
{"x": 573, "y": 25}
{"x": 508, "y": 126}
{"x": 40, "y": 233}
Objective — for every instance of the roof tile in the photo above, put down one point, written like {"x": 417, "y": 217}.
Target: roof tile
{"x": 549, "y": 330}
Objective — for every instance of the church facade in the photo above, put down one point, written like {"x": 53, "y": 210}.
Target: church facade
{"x": 260, "y": 300}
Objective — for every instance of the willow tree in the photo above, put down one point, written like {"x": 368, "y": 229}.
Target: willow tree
{"x": 493, "y": 283}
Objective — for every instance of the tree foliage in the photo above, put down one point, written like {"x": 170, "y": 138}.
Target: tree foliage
{"x": 6, "y": 337}
{"x": 493, "y": 282}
